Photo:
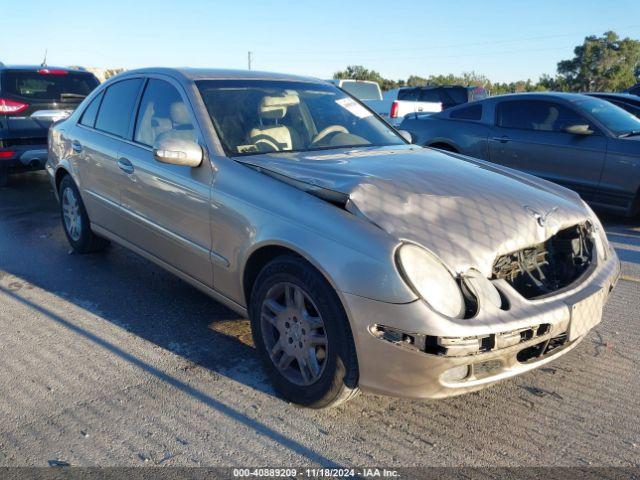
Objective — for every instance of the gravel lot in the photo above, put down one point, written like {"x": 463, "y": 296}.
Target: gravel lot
{"x": 108, "y": 360}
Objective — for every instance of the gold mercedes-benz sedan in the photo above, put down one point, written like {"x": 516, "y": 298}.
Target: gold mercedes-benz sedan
{"x": 363, "y": 262}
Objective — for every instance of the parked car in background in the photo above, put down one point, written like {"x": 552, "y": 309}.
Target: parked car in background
{"x": 635, "y": 90}
{"x": 31, "y": 99}
{"x": 361, "y": 260}
{"x": 428, "y": 99}
{"x": 367, "y": 91}
{"x": 361, "y": 89}
{"x": 584, "y": 143}
{"x": 626, "y": 101}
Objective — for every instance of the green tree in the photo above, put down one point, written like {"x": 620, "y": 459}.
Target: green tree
{"x": 358, "y": 72}
{"x": 606, "y": 63}
{"x": 416, "y": 81}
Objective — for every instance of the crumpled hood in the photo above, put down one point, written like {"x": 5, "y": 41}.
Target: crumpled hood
{"x": 467, "y": 212}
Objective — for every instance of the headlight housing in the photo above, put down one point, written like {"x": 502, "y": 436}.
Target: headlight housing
{"x": 431, "y": 280}
{"x": 482, "y": 289}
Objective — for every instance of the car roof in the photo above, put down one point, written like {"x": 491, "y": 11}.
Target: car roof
{"x": 570, "y": 97}
{"x": 35, "y": 68}
{"x": 440, "y": 86}
{"x": 193, "y": 74}
{"x": 618, "y": 96}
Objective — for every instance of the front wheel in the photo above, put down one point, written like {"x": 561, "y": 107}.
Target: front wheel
{"x": 75, "y": 220}
{"x": 302, "y": 334}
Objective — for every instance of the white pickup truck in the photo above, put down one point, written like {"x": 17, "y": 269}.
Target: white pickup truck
{"x": 404, "y": 101}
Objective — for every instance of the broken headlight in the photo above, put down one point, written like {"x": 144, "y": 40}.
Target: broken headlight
{"x": 600, "y": 237}
{"x": 430, "y": 279}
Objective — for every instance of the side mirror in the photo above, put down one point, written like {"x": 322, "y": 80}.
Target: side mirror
{"x": 406, "y": 135}
{"x": 177, "y": 151}
{"x": 579, "y": 130}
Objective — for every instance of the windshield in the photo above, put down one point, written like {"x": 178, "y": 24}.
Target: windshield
{"x": 614, "y": 118}
{"x": 55, "y": 87}
{"x": 362, "y": 90}
{"x": 260, "y": 116}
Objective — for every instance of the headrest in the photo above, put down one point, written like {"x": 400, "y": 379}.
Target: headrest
{"x": 179, "y": 113}
{"x": 276, "y": 107}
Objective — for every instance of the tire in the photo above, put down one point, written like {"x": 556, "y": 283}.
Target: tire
{"x": 333, "y": 377}
{"x": 4, "y": 177}
{"x": 75, "y": 220}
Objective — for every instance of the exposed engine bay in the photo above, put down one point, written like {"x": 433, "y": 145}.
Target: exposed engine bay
{"x": 549, "y": 266}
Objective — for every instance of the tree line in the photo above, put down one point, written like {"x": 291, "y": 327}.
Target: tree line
{"x": 600, "y": 64}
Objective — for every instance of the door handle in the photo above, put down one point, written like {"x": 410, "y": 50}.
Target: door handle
{"x": 501, "y": 139}
{"x": 76, "y": 146}
{"x": 125, "y": 165}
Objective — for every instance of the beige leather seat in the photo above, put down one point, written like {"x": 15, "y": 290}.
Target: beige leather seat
{"x": 180, "y": 123}
{"x": 273, "y": 137}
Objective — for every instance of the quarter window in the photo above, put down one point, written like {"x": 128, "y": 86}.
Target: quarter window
{"x": 162, "y": 114}
{"x": 117, "y": 106}
{"x": 537, "y": 115}
{"x": 91, "y": 112}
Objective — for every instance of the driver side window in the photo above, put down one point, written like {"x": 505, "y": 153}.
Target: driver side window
{"x": 162, "y": 114}
{"x": 537, "y": 115}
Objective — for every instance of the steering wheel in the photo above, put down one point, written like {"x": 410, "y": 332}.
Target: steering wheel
{"x": 328, "y": 130}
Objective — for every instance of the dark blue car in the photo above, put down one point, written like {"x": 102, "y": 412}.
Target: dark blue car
{"x": 584, "y": 143}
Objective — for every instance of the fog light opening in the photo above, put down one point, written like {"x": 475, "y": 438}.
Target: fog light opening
{"x": 456, "y": 374}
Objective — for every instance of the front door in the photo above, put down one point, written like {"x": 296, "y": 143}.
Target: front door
{"x": 168, "y": 205}
{"x": 531, "y": 135}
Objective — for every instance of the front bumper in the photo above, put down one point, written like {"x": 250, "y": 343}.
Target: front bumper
{"x": 391, "y": 368}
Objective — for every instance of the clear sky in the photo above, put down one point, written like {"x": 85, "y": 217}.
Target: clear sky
{"x": 504, "y": 40}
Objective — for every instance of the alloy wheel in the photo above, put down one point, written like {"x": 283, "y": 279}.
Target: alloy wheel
{"x": 294, "y": 333}
{"x": 71, "y": 214}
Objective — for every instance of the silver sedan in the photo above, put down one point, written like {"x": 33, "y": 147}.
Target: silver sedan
{"x": 362, "y": 261}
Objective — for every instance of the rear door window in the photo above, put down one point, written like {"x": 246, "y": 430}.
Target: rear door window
{"x": 117, "y": 106}
{"x": 53, "y": 87}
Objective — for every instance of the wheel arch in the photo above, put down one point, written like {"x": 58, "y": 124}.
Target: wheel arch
{"x": 443, "y": 144}
{"x": 61, "y": 172}
{"x": 265, "y": 252}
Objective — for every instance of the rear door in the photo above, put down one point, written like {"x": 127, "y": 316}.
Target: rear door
{"x": 530, "y": 135}
{"x": 167, "y": 206}
{"x": 96, "y": 141}
{"x": 46, "y": 94}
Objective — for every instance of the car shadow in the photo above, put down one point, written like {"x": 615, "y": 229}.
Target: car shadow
{"x": 120, "y": 287}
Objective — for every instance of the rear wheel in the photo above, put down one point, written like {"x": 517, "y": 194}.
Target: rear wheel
{"x": 302, "y": 334}
{"x": 4, "y": 177}
{"x": 75, "y": 220}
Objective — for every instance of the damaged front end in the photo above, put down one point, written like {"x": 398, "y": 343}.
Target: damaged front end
{"x": 549, "y": 266}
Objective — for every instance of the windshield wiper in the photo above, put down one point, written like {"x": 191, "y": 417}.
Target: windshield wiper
{"x": 630, "y": 133}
